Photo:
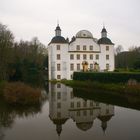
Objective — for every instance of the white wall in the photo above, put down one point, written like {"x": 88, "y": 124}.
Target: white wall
{"x": 103, "y": 60}
{"x": 52, "y": 52}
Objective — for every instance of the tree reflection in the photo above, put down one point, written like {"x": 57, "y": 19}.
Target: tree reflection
{"x": 9, "y": 113}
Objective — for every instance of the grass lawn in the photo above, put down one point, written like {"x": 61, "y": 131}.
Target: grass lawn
{"x": 121, "y": 89}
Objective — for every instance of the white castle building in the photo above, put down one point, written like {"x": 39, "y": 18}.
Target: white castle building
{"x": 83, "y": 52}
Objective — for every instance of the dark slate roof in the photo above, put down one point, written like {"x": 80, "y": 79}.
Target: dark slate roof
{"x": 59, "y": 121}
{"x": 84, "y": 126}
{"x": 58, "y": 39}
{"x": 103, "y": 30}
{"x": 105, "y": 40}
{"x": 105, "y": 118}
{"x": 72, "y": 40}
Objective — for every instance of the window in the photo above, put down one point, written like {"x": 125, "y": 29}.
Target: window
{"x": 91, "y": 48}
{"x": 78, "y": 104}
{"x": 58, "y": 85}
{"x": 84, "y": 47}
{"x": 97, "y": 104}
{"x": 78, "y": 113}
{"x": 107, "y": 57}
{"x": 91, "y": 103}
{"x": 78, "y": 47}
{"x": 71, "y": 67}
{"x": 72, "y": 96}
{"x": 78, "y": 56}
{"x": 91, "y": 66}
{"x": 58, "y": 56}
{"x": 107, "y": 48}
{"x": 78, "y": 66}
{"x": 85, "y": 113}
{"x": 58, "y": 76}
{"x": 71, "y": 56}
{"x": 97, "y": 56}
{"x": 58, "y": 95}
{"x": 91, "y": 56}
{"x": 58, "y": 67}
{"x": 72, "y": 104}
{"x": 107, "y": 66}
{"x": 58, "y": 47}
{"x": 91, "y": 112}
{"x": 84, "y": 56}
{"x": 58, "y": 105}
{"x": 84, "y": 104}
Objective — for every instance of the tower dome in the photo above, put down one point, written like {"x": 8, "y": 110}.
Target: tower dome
{"x": 104, "y": 39}
{"x": 58, "y": 38}
{"x": 84, "y": 34}
{"x": 84, "y": 126}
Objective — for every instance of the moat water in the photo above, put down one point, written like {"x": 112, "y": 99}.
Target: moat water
{"x": 64, "y": 116}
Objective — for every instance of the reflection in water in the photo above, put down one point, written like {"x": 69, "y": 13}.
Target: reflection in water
{"x": 8, "y": 113}
{"x": 74, "y": 118}
{"x": 63, "y": 106}
{"x": 1, "y": 134}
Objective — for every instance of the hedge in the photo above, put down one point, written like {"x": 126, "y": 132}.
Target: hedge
{"x": 106, "y": 77}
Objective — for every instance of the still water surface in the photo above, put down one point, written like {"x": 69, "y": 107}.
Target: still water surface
{"x": 62, "y": 116}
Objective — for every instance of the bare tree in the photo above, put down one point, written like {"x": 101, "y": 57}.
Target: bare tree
{"x": 119, "y": 49}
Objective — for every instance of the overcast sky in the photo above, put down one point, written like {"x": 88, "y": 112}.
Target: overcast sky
{"x": 29, "y": 18}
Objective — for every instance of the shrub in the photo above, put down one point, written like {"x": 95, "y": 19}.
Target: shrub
{"x": 19, "y": 93}
{"x": 106, "y": 77}
{"x": 132, "y": 89}
{"x": 116, "y": 70}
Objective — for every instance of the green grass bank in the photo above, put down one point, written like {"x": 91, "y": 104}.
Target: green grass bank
{"x": 116, "y": 89}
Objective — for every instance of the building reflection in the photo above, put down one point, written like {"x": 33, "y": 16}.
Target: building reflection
{"x": 63, "y": 106}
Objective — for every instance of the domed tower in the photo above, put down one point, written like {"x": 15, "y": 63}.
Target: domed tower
{"x": 104, "y": 120}
{"x": 105, "y": 115}
{"x": 57, "y": 52}
{"x": 104, "y": 39}
{"x": 59, "y": 123}
{"x": 58, "y": 38}
{"x": 107, "y": 52}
